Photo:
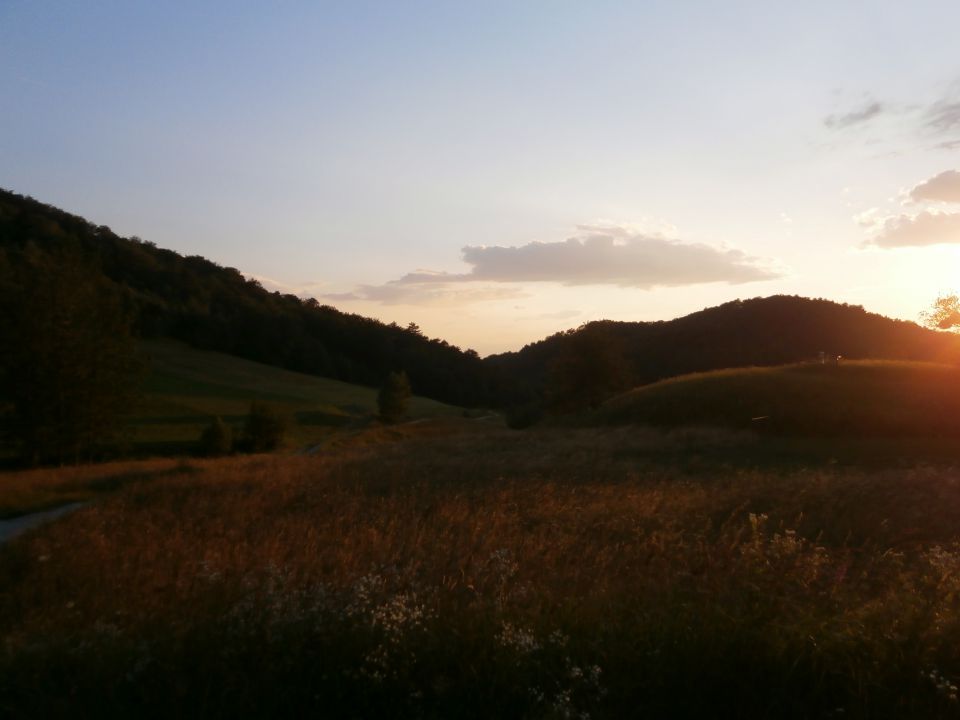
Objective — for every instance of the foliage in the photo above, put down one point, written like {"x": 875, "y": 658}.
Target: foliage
{"x": 216, "y": 439}
{"x": 590, "y": 368}
{"x": 69, "y": 363}
{"x": 394, "y": 397}
{"x": 263, "y": 429}
{"x": 944, "y": 314}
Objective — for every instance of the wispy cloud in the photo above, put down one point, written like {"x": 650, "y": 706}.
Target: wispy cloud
{"x": 947, "y": 145}
{"x": 943, "y": 116}
{"x": 597, "y": 255}
{"x": 409, "y": 291}
{"x": 861, "y": 115}
{"x": 937, "y": 120}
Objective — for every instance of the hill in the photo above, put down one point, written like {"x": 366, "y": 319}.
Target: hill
{"x": 853, "y": 399}
{"x": 768, "y": 331}
{"x": 210, "y": 307}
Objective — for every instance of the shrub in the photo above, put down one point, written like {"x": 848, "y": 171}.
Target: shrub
{"x": 394, "y": 397}
{"x": 263, "y": 430}
{"x": 216, "y": 439}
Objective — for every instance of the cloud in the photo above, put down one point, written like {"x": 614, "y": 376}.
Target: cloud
{"x": 855, "y": 117}
{"x": 925, "y": 228}
{"x": 407, "y": 292}
{"x": 868, "y": 218}
{"x": 936, "y": 120}
{"x": 614, "y": 256}
{"x": 947, "y": 145}
{"x": 597, "y": 255}
{"x": 944, "y": 187}
{"x": 943, "y": 116}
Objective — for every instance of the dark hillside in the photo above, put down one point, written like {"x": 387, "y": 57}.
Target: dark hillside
{"x": 216, "y": 308}
{"x": 759, "y": 332}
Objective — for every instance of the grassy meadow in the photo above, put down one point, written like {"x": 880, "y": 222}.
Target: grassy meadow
{"x": 461, "y": 570}
{"x": 184, "y": 388}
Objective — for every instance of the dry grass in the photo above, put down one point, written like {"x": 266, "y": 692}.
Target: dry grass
{"x": 539, "y": 574}
{"x": 33, "y": 490}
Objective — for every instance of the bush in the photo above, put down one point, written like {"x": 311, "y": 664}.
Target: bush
{"x": 394, "y": 397}
{"x": 263, "y": 430}
{"x": 216, "y": 439}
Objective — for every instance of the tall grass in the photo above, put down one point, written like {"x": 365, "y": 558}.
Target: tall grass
{"x": 545, "y": 574}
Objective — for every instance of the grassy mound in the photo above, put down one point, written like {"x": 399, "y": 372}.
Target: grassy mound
{"x": 856, "y": 399}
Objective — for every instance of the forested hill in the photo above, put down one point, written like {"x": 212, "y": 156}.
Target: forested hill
{"x": 217, "y": 308}
{"x": 761, "y": 331}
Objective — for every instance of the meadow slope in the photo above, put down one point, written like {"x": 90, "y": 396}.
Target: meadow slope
{"x": 184, "y": 388}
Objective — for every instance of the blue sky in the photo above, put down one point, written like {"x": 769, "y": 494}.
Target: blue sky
{"x": 500, "y": 171}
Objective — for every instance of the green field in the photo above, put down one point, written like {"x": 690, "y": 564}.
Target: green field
{"x": 184, "y": 388}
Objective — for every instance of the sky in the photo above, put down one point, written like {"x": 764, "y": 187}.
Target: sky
{"x": 500, "y": 171}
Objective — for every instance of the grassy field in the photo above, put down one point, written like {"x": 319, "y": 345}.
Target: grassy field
{"x": 866, "y": 399}
{"x": 184, "y": 388}
{"x": 466, "y": 571}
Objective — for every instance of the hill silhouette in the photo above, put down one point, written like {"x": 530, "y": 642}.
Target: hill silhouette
{"x": 216, "y": 308}
{"x": 210, "y": 307}
{"x": 768, "y": 331}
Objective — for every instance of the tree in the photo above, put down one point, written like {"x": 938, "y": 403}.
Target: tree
{"x": 69, "y": 364}
{"x": 393, "y": 397}
{"x": 944, "y": 314}
{"x": 263, "y": 429}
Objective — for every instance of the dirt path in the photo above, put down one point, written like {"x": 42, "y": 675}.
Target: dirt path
{"x": 9, "y": 529}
